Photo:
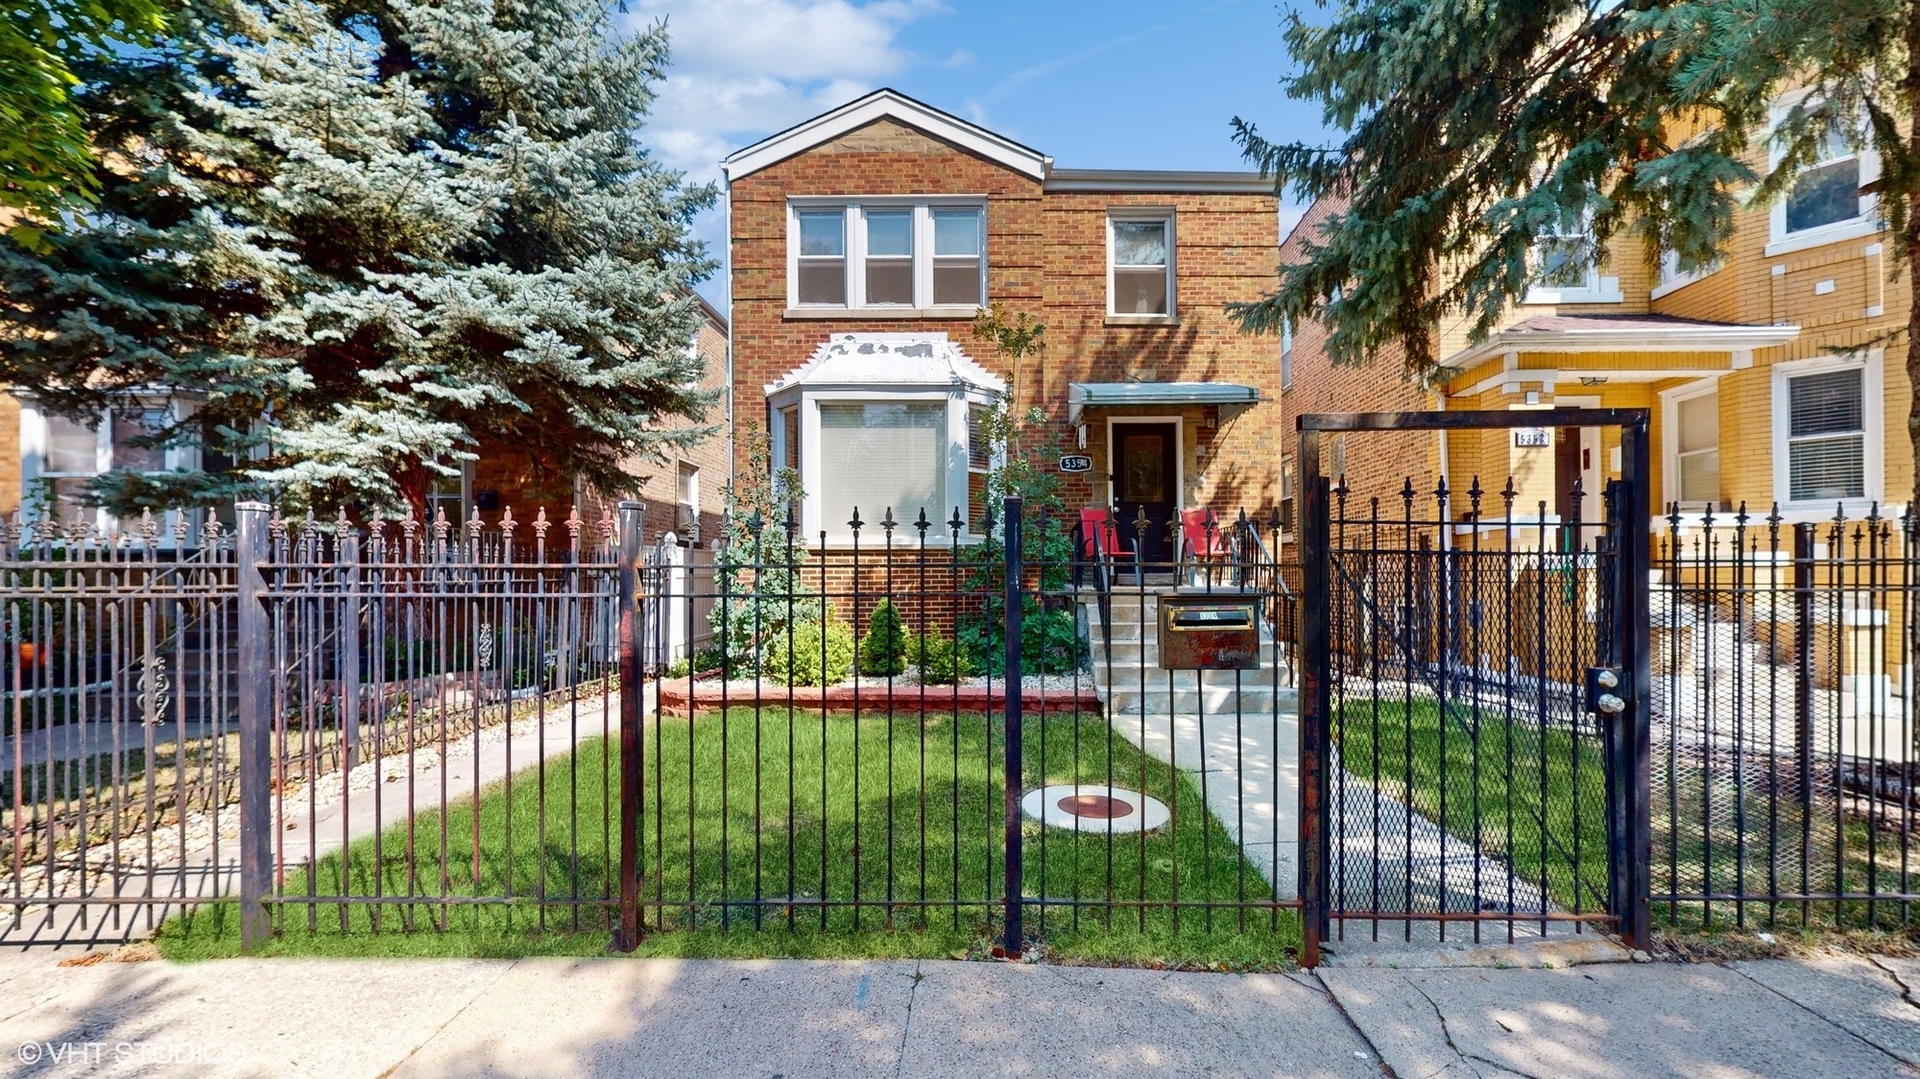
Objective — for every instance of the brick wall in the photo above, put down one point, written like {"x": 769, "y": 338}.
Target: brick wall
{"x": 1046, "y": 256}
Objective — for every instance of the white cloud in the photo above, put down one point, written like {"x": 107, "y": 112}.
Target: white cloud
{"x": 743, "y": 69}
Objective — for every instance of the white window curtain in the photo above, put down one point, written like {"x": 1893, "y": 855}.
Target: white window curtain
{"x": 881, "y": 456}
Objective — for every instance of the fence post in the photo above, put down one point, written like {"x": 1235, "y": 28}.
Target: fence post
{"x": 1315, "y": 604}
{"x": 1803, "y": 585}
{"x": 1010, "y": 939}
{"x": 256, "y": 727}
{"x": 632, "y": 517}
{"x": 349, "y": 630}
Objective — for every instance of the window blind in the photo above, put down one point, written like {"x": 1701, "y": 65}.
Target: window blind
{"x": 883, "y": 456}
{"x": 1826, "y": 436}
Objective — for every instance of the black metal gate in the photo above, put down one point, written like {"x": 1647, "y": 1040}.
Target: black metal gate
{"x": 1473, "y": 687}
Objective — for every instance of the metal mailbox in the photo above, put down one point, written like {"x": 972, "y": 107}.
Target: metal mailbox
{"x": 1210, "y": 631}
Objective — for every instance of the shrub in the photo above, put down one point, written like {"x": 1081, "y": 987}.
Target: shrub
{"x": 941, "y": 661}
{"x": 795, "y": 657}
{"x": 884, "y": 650}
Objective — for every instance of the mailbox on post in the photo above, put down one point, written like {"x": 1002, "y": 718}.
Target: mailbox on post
{"x": 1210, "y": 631}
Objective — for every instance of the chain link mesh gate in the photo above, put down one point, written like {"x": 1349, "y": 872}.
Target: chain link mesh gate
{"x": 1473, "y": 693}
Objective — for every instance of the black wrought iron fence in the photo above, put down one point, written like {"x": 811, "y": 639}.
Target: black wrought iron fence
{"x": 1785, "y": 761}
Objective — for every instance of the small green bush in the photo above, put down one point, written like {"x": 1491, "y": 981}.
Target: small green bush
{"x": 795, "y": 657}
{"x": 706, "y": 659}
{"x": 883, "y": 652}
{"x": 941, "y": 661}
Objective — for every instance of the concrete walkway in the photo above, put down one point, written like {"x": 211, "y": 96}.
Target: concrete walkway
{"x": 1834, "y": 1016}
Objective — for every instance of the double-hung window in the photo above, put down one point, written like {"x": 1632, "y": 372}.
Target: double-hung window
{"x": 61, "y": 456}
{"x": 1827, "y": 423}
{"x": 881, "y": 254}
{"x": 1824, "y": 204}
{"x": 1694, "y": 443}
{"x": 1566, "y": 268}
{"x": 1140, "y": 249}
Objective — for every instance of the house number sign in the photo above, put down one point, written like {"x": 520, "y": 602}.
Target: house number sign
{"x": 1531, "y": 437}
{"x": 1076, "y": 462}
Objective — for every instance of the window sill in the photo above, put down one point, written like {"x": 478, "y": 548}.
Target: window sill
{"x": 1826, "y": 234}
{"x": 1608, "y": 292}
{"x": 879, "y": 312}
{"x": 1143, "y": 320}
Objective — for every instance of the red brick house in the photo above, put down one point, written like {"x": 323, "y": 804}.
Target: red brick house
{"x": 864, "y": 241}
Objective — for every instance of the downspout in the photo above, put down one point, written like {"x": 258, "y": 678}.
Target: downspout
{"x": 731, "y": 430}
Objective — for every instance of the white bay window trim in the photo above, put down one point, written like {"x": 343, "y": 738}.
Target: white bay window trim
{"x": 1872, "y": 434}
{"x": 854, "y": 258}
{"x": 919, "y": 369}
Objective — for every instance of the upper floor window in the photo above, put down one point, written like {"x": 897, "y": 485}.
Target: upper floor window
{"x": 1140, "y": 263}
{"x": 1286, "y": 353}
{"x": 887, "y": 253}
{"x": 1825, "y": 203}
{"x": 1566, "y": 267}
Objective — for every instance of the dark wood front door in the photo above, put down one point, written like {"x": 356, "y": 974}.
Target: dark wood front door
{"x": 1145, "y": 474}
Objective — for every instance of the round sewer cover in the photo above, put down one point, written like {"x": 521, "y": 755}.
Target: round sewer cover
{"x": 1087, "y": 808}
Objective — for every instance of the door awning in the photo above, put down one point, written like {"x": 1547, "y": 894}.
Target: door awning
{"x": 1084, "y": 395}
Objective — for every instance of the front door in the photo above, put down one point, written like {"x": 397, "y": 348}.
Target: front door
{"x": 1145, "y": 474}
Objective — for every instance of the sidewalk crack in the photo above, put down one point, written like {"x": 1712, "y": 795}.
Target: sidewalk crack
{"x": 1906, "y": 991}
{"x": 1802, "y": 1005}
{"x": 1312, "y": 980}
{"x": 1469, "y": 1059}
{"x": 458, "y": 1012}
{"x": 900, "y": 1055}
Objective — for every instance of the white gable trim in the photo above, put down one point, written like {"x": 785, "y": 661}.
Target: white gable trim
{"x": 884, "y": 105}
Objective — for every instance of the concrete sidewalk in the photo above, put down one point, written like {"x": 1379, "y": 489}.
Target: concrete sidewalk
{"x": 1835, "y": 1016}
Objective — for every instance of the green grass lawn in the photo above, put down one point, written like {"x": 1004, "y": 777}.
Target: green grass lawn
{"x": 1710, "y": 835}
{"x": 738, "y": 849}
{"x": 1534, "y": 799}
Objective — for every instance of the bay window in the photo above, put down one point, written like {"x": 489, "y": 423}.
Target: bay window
{"x": 883, "y": 253}
{"x": 879, "y": 422}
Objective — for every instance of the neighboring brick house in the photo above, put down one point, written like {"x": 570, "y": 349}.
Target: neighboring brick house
{"x": 864, "y": 241}
{"x": 684, "y": 490}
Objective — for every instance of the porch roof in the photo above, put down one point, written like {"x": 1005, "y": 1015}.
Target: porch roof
{"x": 1084, "y": 395}
{"x": 1622, "y": 333}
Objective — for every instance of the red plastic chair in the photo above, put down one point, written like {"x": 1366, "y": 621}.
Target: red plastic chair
{"x": 1100, "y": 539}
{"x": 1201, "y": 540}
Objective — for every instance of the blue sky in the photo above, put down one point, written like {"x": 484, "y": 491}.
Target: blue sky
{"x": 1116, "y": 84}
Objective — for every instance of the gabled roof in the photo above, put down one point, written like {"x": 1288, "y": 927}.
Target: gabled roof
{"x": 891, "y": 359}
{"x": 884, "y": 104}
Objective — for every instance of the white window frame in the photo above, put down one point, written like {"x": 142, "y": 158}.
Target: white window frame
{"x": 855, "y": 208}
{"x": 1669, "y": 279}
{"x": 33, "y": 452}
{"x": 1599, "y": 288}
{"x": 1872, "y": 418}
{"x": 1286, "y": 354}
{"x": 1164, "y": 215}
{"x": 1670, "y": 401}
{"x": 1865, "y": 223}
{"x": 813, "y": 516}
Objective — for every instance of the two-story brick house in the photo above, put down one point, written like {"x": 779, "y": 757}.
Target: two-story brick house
{"x": 864, "y": 241}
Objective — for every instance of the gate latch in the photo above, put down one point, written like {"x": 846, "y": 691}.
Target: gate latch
{"x": 1601, "y": 684}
